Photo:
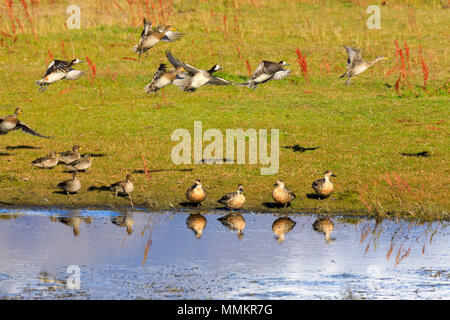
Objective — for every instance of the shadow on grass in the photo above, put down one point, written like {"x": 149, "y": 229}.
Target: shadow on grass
{"x": 315, "y": 196}
{"x": 298, "y": 148}
{"x": 163, "y": 170}
{"x": 63, "y": 192}
{"x": 101, "y": 188}
{"x": 418, "y": 154}
{"x": 95, "y": 155}
{"x": 3, "y": 154}
{"x": 22, "y": 147}
{"x": 274, "y": 205}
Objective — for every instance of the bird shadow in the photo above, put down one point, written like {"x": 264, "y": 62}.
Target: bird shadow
{"x": 63, "y": 192}
{"x": 315, "y": 196}
{"x": 101, "y": 188}
{"x": 95, "y": 155}
{"x": 163, "y": 170}
{"x": 274, "y": 205}
{"x": 22, "y": 147}
{"x": 6, "y": 203}
{"x": 3, "y": 154}
{"x": 298, "y": 148}
{"x": 418, "y": 154}
{"x": 189, "y": 204}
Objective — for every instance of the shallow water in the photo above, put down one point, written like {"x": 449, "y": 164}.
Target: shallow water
{"x": 159, "y": 257}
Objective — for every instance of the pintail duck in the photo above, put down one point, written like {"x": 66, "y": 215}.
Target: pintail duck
{"x": 47, "y": 162}
{"x": 70, "y": 156}
{"x": 266, "y": 71}
{"x": 124, "y": 221}
{"x": 234, "y": 200}
{"x": 356, "y": 64}
{"x": 11, "y": 122}
{"x": 58, "y": 70}
{"x": 196, "y": 222}
{"x": 234, "y": 221}
{"x": 195, "y": 78}
{"x": 196, "y": 193}
{"x": 324, "y": 187}
{"x": 281, "y": 194}
{"x": 72, "y": 185}
{"x": 123, "y": 187}
{"x": 325, "y": 226}
{"x": 281, "y": 226}
{"x": 150, "y": 37}
{"x": 164, "y": 77}
{"x": 80, "y": 164}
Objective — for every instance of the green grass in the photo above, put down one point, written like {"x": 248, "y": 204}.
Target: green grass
{"x": 354, "y": 127}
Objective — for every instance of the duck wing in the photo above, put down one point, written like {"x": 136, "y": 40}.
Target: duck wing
{"x": 218, "y": 81}
{"x": 172, "y": 36}
{"x": 28, "y": 130}
{"x": 147, "y": 29}
{"x": 178, "y": 63}
{"x": 281, "y": 74}
{"x": 74, "y": 74}
{"x": 226, "y": 197}
{"x": 268, "y": 68}
{"x": 56, "y": 65}
{"x": 354, "y": 54}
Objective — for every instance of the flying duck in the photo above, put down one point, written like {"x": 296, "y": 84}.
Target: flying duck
{"x": 164, "y": 77}
{"x": 325, "y": 226}
{"x": 150, "y": 37}
{"x": 281, "y": 194}
{"x": 72, "y": 185}
{"x": 356, "y": 64}
{"x": 124, "y": 221}
{"x": 196, "y": 222}
{"x": 47, "y": 162}
{"x": 266, "y": 71}
{"x": 70, "y": 156}
{"x": 58, "y": 70}
{"x": 123, "y": 187}
{"x": 195, "y": 78}
{"x": 11, "y": 122}
{"x": 234, "y": 200}
{"x": 324, "y": 187}
{"x": 234, "y": 221}
{"x": 80, "y": 164}
{"x": 196, "y": 193}
{"x": 281, "y": 226}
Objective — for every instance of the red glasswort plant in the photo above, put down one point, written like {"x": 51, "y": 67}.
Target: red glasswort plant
{"x": 301, "y": 60}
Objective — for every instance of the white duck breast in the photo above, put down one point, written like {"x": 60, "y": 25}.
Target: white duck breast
{"x": 163, "y": 81}
{"x": 262, "y": 77}
{"x": 200, "y": 79}
{"x": 150, "y": 42}
{"x": 359, "y": 69}
{"x": 55, "y": 76}
{"x": 6, "y": 126}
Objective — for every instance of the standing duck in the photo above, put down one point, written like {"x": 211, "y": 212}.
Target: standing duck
{"x": 281, "y": 226}
{"x": 123, "y": 187}
{"x": 81, "y": 164}
{"x": 196, "y": 222}
{"x": 70, "y": 156}
{"x": 356, "y": 64}
{"x": 325, "y": 226}
{"x": 281, "y": 194}
{"x": 234, "y": 221}
{"x": 72, "y": 185}
{"x": 11, "y": 122}
{"x": 323, "y": 187}
{"x": 196, "y": 193}
{"x": 47, "y": 162}
{"x": 196, "y": 77}
{"x": 234, "y": 200}
{"x": 58, "y": 70}
{"x": 150, "y": 37}
{"x": 266, "y": 71}
{"x": 164, "y": 77}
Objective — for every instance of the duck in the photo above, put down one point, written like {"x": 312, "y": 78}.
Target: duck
{"x": 195, "y": 78}
{"x": 196, "y": 194}
{"x": 150, "y": 37}
{"x": 59, "y": 70}
{"x": 71, "y": 155}
{"x": 47, "y": 162}
{"x": 123, "y": 187}
{"x": 324, "y": 187}
{"x": 72, "y": 185}
{"x": 266, "y": 71}
{"x": 164, "y": 77}
{"x": 81, "y": 164}
{"x": 356, "y": 64}
{"x": 124, "y": 221}
{"x": 234, "y": 200}
{"x": 74, "y": 222}
{"x": 325, "y": 226}
{"x": 234, "y": 221}
{"x": 281, "y": 226}
{"x": 11, "y": 122}
{"x": 281, "y": 194}
{"x": 197, "y": 223}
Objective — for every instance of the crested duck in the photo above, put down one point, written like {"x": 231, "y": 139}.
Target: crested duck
{"x": 324, "y": 187}
{"x": 11, "y": 122}
{"x": 80, "y": 164}
{"x": 281, "y": 194}
{"x": 47, "y": 162}
{"x": 234, "y": 200}
{"x": 123, "y": 187}
{"x": 72, "y": 185}
{"x": 196, "y": 193}
{"x": 58, "y": 70}
{"x": 71, "y": 155}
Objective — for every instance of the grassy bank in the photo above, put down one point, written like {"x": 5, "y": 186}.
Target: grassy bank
{"x": 369, "y": 134}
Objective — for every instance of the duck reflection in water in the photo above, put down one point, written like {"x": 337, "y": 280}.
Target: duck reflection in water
{"x": 234, "y": 221}
{"x": 196, "y": 222}
{"x": 73, "y": 221}
{"x": 124, "y": 221}
{"x": 325, "y": 226}
{"x": 281, "y": 226}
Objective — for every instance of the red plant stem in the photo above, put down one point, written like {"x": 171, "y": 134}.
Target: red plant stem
{"x": 248, "y": 67}
{"x": 11, "y": 14}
